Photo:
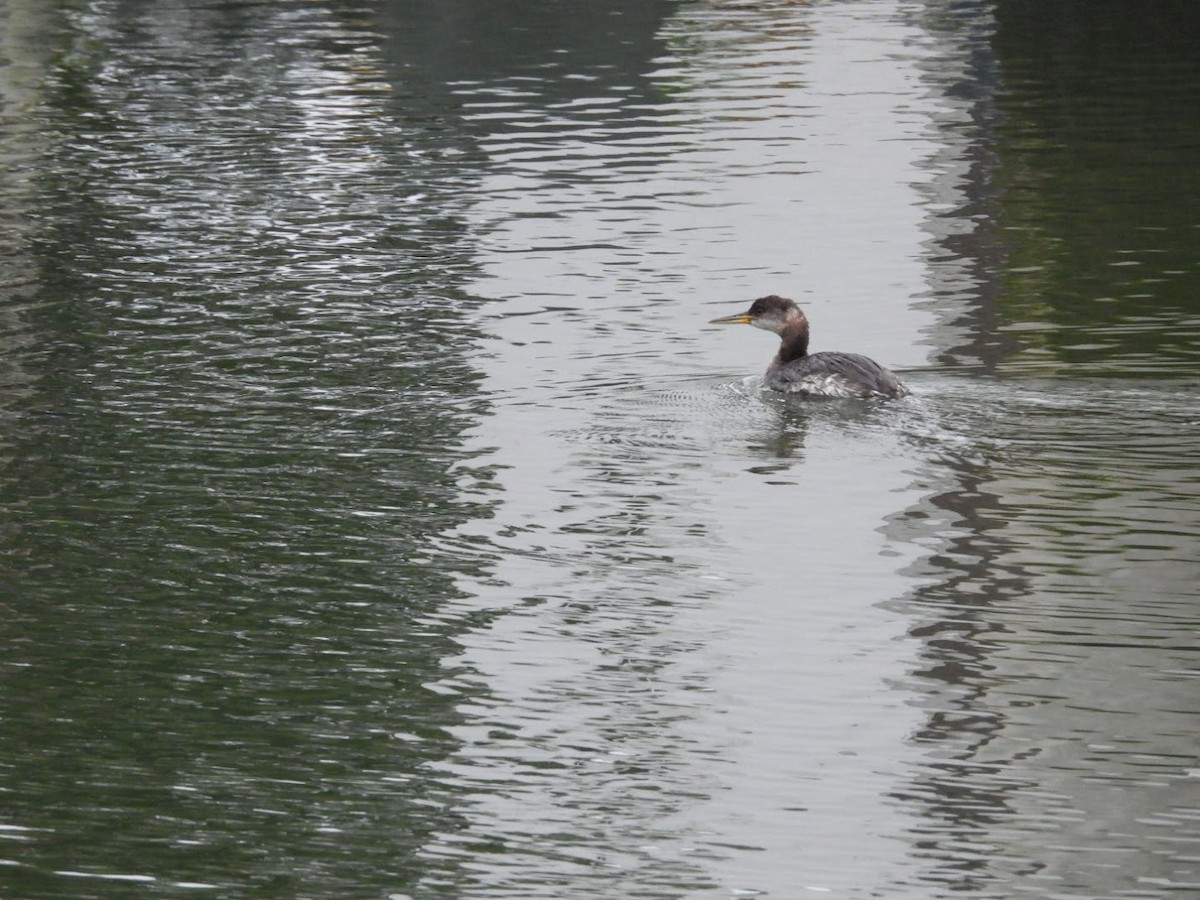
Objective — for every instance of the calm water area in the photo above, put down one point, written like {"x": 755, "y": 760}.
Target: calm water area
{"x": 379, "y": 517}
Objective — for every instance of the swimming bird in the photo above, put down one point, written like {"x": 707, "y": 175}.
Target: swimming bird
{"x": 796, "y": 371}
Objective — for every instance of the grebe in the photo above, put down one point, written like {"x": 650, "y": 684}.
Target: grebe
{"x": 796, "y": 371}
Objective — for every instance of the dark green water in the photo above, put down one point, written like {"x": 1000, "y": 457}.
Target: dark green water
{"x": 378, "y": 519}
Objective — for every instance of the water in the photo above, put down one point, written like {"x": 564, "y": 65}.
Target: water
{"x": 380, "y": 519}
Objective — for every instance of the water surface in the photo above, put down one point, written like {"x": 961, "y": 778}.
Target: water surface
{"x": 379, "y": 518}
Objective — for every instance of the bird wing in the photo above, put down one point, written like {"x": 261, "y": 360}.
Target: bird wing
{"x": 832, "y": 374}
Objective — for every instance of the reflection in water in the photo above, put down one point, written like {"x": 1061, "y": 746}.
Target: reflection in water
{"x": 226, "y": 606}
{"x": 380, "y": 519}
{"x": 1054, "y": 616}
{"x": 1054, "y": 604}
{"x": 680, "y": 635}
{"x": 963, "y": 272}
{"x": 1101, "y": 205}
{"x": 23, "y": 146}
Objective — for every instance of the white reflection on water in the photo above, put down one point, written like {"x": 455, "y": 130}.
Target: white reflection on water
{"x": 757, "y": 647}
{"x": 689, "y": 686}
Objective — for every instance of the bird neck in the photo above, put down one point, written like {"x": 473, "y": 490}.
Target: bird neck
{"x": 793, "y": 342}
